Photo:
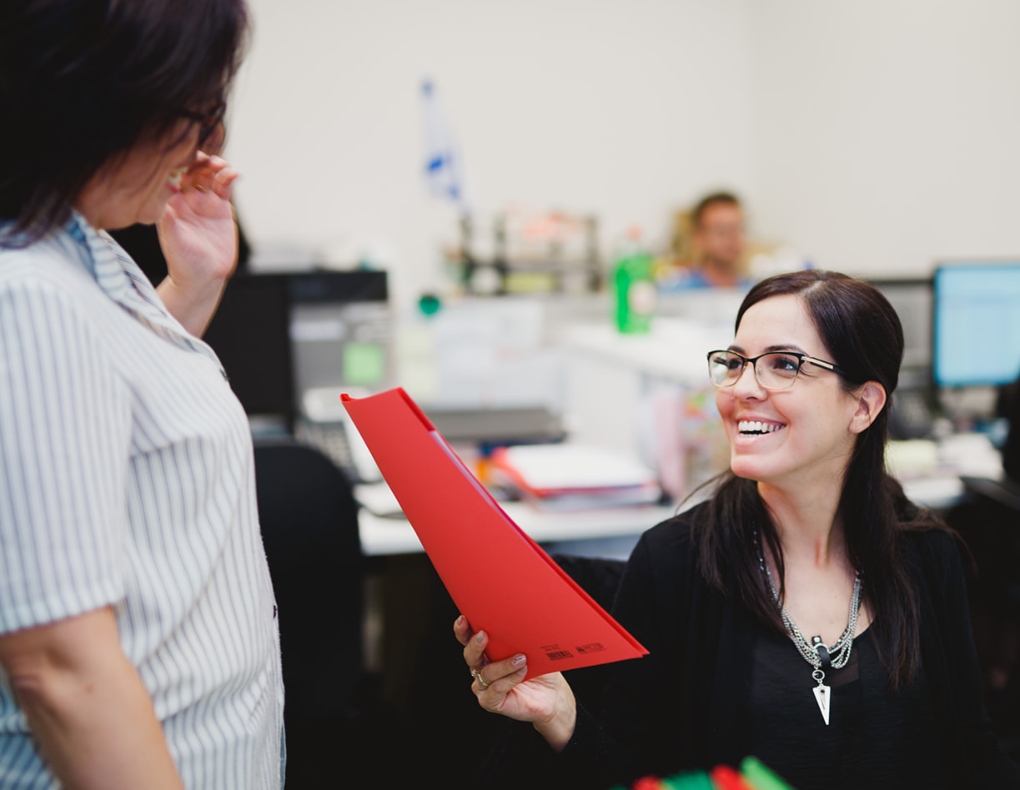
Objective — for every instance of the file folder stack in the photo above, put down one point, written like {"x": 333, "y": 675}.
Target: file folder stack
{"x": 562, "y": 477}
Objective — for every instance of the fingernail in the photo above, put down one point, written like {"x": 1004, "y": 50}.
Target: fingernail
{"x": 518, "y": 660}
{"x": 480, "y": 636}
{"x": 460, "y": 621}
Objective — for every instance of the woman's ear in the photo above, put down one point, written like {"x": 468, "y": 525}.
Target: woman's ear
{"x": 871, "y": 399}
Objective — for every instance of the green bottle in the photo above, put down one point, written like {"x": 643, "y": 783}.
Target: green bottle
{"x": 633, "y": 284}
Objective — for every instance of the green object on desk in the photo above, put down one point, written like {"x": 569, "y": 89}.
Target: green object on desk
{"x": 633, "y": 285}
{"x": 761, "y": 777}
{"x": 697, "y": 780}
{"x": 364, "y": 364}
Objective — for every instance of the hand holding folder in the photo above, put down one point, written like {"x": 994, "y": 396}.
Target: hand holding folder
{"x": 499, "y": 578}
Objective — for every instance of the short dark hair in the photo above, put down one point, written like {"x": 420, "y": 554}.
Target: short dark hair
{"x": 864, "y": 336}
{"x": 82, "y": 82}
{"x": 714, "y": 199}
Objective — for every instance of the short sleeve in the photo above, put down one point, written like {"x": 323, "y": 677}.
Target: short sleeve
{"x": 65, "y": 426}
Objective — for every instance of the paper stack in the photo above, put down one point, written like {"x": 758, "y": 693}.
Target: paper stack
{"x": 562, "y": 477}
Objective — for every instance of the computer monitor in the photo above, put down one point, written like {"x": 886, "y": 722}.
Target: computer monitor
{"x": 912, "y": 300}
{"x": 976, "y": 323}
{"x": 291, "y": 342}
{"x": 342, "y": 334}
{"x": 250, "y": 333}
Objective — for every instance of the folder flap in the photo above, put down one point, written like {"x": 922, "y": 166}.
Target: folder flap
{"x": 498, "y": 577}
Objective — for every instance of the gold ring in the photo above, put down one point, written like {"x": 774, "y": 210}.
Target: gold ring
{"x": 477, "y": 675}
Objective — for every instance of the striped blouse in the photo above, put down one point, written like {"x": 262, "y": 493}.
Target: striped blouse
{"x": 127, "y": 479}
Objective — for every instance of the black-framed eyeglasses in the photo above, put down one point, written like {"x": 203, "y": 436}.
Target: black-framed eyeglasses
{"x": 774, "y": 370}
{"x": 207, "y": 121}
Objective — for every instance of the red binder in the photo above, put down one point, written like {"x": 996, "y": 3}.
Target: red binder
{"x": 498, "y": 577}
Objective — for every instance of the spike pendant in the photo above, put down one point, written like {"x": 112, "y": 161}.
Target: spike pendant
{"x": 822, "y": 694}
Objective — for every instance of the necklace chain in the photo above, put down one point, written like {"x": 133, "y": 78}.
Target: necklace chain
{"x": 840, "y": 652}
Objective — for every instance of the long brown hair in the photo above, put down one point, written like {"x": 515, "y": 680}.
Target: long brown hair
{"x": 863, "y": 334}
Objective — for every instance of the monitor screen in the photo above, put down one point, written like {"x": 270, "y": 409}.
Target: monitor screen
{"x": 341, "y": 332}
{"x": 250, "y": 333}
{"x": 976, "y": 323}
{"x": 911, "y": 299}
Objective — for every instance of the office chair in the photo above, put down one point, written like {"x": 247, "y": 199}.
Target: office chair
{"x": 988, "y": 519}
{"x": 309, "y": 521}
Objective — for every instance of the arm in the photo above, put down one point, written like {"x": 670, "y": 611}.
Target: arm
{"x": 199, "y": 239}
{"x": 87, "y": 706}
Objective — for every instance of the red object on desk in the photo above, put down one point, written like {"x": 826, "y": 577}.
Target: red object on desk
{"x": 726, "y": 778}
{"x": 499, "y": 578}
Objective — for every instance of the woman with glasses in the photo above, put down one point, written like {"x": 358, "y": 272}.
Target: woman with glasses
{"x": 138, "y": 637}
{"x": 807, "y": 613}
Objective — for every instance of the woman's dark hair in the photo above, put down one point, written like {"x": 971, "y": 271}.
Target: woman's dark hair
{"x": 82, "y": 82}
{"x": 863, "y": 334}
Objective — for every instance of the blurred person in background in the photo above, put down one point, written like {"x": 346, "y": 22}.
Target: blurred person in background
{"x": 712, "y": 250}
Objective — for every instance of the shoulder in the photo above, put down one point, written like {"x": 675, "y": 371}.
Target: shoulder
{"x": 51, "y": 305}
{"x": 669, "y": 549}
{"x": 49, "y": 266}
{"x": 935, "y": 555}
{"x": 932, "y": 544}
{"x": 673, "y": 534}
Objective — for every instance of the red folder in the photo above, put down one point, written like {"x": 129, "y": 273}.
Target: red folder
{"x": 499, "y": 578}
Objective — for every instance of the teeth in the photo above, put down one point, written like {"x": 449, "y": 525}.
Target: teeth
{"x": 755, "y": 426}
{"x": 176, "y": 176}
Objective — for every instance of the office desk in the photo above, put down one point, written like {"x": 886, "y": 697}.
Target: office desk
{"x": 385, "y": 535}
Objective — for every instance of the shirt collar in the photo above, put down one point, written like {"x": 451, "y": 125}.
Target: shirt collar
{"x": 121, "y": 279}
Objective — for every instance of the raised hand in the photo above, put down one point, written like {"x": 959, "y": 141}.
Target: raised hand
{"x": 198, "y": 235}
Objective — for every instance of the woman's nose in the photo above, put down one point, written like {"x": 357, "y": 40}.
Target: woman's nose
{"x": 747, "y": 382}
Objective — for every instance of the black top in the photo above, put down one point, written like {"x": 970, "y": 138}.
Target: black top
{"x": 787, "y": 727}
{"x": 693, "y": 702}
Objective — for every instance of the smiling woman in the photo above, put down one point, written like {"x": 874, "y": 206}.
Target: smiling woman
{"x": 138, "y": 635}
{"x": 807, "y": 613}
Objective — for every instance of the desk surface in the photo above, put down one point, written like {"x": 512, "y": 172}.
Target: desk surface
{"x": 387, "y": 535}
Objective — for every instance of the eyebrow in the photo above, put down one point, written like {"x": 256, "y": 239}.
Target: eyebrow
{"x": 770, "y": 349}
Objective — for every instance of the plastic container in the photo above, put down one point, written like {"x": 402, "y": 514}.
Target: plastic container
{"x": 633, "y": 285}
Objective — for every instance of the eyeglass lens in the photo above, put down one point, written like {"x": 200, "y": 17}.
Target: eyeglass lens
{"x": 774, "y": 370}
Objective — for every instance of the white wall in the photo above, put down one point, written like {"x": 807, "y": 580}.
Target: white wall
{"x": 874, "y": 135}
{"x": 627, "y": 109}
{"x": 887, "y": 130}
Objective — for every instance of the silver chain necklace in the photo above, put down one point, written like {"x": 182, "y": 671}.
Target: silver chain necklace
{"x": 815, "y": 652}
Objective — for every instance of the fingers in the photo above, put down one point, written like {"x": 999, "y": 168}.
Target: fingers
{"x": 462, "y": 630}
{"x": 210, "y": 174}
{"x": 497, "y": 679}
{"x": 474, "y": 646}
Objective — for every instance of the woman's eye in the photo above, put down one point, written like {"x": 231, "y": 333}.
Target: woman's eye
{"x": 784, "y": 364}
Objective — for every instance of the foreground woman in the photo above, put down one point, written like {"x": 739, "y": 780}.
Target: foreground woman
{"x": 807, "y": 614}
{"x": 138, "y": 635}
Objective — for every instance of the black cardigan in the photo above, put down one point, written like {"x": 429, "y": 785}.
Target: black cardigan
{"x": 684, "y": 706}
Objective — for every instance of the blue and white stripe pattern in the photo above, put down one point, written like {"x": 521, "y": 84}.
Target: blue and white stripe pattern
{"x": 127, "y": 479}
